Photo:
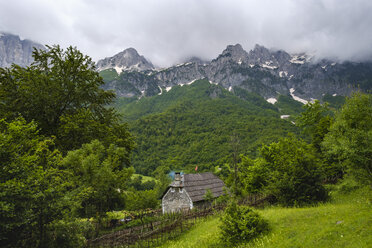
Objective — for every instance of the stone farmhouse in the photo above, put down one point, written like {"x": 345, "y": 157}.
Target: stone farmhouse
{"x": 188, "y": 191}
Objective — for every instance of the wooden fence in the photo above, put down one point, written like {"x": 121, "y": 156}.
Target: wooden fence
{"x": 155, "y": 233}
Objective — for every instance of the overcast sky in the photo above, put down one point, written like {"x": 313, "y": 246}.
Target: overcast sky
{"x": 168, "y": 31}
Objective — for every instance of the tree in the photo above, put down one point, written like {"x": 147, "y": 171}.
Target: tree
{"x": 294, "y": 176}
{"x": 100, "y": 176}
{"x": 33, "y": 190}
{"x": 254, "y": 174}
{"x": 315, "y": 121}
{"x": 349, "y": 141}
{"x": 61, "y": 91}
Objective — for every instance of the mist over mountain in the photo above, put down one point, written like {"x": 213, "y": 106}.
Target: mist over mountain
{"x": 266, "y": 72}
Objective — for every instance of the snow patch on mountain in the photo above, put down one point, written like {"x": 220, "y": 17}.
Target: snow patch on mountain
{"x": 271, "y": 67}
{"x": 118, "y": 69}
{"x": 168, "y": 88}
{"x": 271, "y": 100}
{"x": 191, "y": 82}
{"x": 161, "y": 90}
{"x": 296, "y": 59}
{"x": 298, "y": 99}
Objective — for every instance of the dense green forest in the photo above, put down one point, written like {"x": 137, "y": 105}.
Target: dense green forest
{"x": 193, "y": 125}
{"x": 68, "y": 158}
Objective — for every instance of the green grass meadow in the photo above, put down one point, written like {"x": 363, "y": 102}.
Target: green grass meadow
{"x": 345, "y": 221}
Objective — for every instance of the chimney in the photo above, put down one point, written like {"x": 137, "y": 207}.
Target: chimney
{"x": 177, "y": 179}
{"x": 177, "y": 176}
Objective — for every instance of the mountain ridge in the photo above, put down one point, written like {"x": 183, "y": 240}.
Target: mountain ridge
{"x": 269, "y": 73}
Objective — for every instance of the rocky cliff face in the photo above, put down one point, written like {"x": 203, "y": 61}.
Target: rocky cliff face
{"x": 127, "y": 60}
{"x": 17, "y": 51}
{"x": 263, "y": 71}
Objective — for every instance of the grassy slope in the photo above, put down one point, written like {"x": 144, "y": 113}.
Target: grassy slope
{"x": 344, "y": 222}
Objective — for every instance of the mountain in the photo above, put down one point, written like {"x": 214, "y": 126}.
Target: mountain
{"x": 269, "y": 73}
{"x": 17, "y": 51}
{"x": 127, "y": 60}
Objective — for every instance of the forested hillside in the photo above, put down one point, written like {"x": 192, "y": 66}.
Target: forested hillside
{"x": 193, "y": 126}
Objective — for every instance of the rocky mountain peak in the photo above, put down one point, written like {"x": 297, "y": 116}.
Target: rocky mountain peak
{"x": 234, "y": 50}
{"x": 260, "y": 53}
{"x": 234, "y": 53}
{"x": 17, "y": 51}
{"x": 127, "y": 60}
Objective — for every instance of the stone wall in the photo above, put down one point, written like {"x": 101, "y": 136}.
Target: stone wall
{"x": 176, "y": 200}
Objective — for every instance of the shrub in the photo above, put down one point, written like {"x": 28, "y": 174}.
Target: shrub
{"x": 69, "y": 233}
{"x": 241, "y": 224}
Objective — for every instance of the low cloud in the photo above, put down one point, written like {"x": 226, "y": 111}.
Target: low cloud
{"x": 168, "y": 31}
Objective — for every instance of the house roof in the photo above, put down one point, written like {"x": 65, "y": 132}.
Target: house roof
{"x": 196, "y": 185}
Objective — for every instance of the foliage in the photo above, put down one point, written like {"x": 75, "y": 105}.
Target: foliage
{"x": 294, "y": 176}
{"x": 139, "y": 183}
{"x": 68, "y": 233}
{"x": 254, "y": 174}
{"x": 196, "y": 125}
{"x": 62, "y": 92}
{"x": 33, "y": 191}
{"x": 141, "y": 200}
{"x": 100, "y": 175}
{"x": 316, "y": 121}
{"x": 349, "y": 141}
{"x": 241, "y": 224}
{"x": 208, "y": 197}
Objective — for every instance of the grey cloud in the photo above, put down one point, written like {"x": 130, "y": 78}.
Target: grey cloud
{"x": 167, "y": 31}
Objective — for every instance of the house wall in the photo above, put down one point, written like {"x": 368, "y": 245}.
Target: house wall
{"x": 176, "y": 200}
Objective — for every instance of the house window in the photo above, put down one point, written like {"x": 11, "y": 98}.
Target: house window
{"x": 172, "y": 190}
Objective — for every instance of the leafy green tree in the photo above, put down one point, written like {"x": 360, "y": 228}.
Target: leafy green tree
{"x": 140, "y": 200}
{"x": 315, "y": 121}
{"x": 241, "y": 224}
{"x": 33, "y": 190}
{"x": 349, "y": 141}
{"x": 100, "y": 176}
{"x": 61, "y": 91}
{"x": 295, "y": 177}
{"x": 254, "y": 174}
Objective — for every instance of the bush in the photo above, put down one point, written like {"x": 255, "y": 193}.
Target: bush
{"x": 241, "y": 224}
{"x": 69, "y": 233}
